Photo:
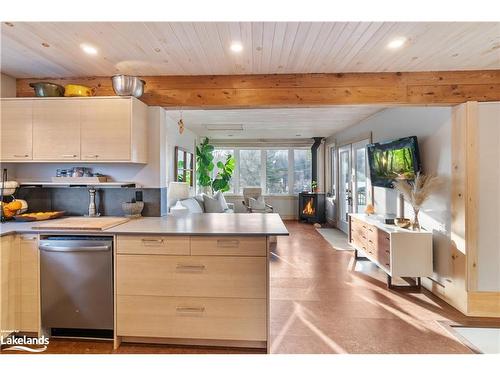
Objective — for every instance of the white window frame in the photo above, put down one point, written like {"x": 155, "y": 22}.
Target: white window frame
{"x": 263, "y": 161}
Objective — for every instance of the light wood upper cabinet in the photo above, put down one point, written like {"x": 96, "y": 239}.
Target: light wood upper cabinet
{"x": 56, "y": 130}
{"x": 99, "y": 129}
{"x": 16, "y": 131}
{"x": 113, "y": 129}
{"x": 105, "y": 129}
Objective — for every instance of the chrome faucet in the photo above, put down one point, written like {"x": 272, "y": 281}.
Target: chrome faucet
{"x": 92, "y": 206}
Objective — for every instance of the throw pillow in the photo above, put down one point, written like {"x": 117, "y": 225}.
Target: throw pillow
{"x": 212, "y": 205}
{"x": 257, "y": 204}
{"x": 220, "y": 197}
{"x": 199, "y": 199}
{"x": 192, "y": 205}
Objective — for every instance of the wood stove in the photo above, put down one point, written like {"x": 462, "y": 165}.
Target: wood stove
{"x": 312, "y": 207}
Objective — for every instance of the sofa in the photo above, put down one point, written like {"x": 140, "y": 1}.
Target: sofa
{"x": 207, "y": 204}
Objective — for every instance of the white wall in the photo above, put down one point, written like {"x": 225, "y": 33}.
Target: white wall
{"x": 8, "y": 86}
{"x": 186, "y": 140}
{"x": 432, "y": 126}
{"x": 489, "y": 197}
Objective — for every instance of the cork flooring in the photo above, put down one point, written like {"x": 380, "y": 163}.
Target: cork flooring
{"x": 323, "y": 301}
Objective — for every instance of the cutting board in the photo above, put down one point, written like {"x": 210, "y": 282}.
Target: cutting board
{"x": 83, "y": 223}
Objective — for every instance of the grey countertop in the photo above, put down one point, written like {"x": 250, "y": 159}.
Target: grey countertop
{"x": 194, "y": 225}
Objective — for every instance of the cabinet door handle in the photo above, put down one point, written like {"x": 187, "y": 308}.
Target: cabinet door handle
{"x": 69, "y": 156}
{"x": 92, "y": 156}
{"x": 388, "y": 251}
{"x": 152, "y": 241}
{"x": 20, "y": 156}
{"x": 191, "y": 267}
{"x": 190, "y": 309}
{"x": 228, "y": 243}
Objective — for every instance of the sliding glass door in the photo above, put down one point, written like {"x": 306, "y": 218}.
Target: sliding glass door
{"x": 354, "y": 184}
{"x": 345, "y": 180}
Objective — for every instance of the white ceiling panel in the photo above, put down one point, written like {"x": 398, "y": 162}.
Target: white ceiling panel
{"x": 277, "y": 123}
{"x": 170, "y": 48}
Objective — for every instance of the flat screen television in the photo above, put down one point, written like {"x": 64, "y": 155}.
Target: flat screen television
{"x": 388, "y": 161}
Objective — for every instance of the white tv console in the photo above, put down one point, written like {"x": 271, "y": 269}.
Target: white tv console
{"x": 397, "y": 251}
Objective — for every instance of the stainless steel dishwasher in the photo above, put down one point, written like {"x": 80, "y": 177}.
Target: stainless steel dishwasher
{"x": 76, "y": 282}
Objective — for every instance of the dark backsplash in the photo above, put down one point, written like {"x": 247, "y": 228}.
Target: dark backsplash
{"x": 75, "y": 200}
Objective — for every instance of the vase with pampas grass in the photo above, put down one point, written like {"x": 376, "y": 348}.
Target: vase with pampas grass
{"x": 416, "y": 192}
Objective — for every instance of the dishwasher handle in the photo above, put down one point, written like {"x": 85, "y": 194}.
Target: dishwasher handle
{"x": 74, "y": 248}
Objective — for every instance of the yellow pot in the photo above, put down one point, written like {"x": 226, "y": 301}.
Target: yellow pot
{"x": 78, "y": 90}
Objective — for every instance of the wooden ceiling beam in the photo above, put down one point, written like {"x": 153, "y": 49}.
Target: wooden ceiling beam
{"x": 290, "y": 90}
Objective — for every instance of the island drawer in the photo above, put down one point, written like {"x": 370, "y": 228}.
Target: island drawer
{"x": 167, "y": 245}
{"x": 236, "y": 246}
{"x": 196, "y": 276}
{"x": 192, "y": 318}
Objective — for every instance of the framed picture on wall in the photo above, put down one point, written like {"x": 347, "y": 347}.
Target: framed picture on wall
{"x": 184, "y": 165}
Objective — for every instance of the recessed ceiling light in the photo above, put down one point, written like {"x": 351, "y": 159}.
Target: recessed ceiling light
{"x": 236, "y": 47}
{"x": 87, "y": 48}
{"x": 396, "y": 43}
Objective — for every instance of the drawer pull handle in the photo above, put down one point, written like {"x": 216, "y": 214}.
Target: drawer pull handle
{"x": 192, "y": 267}
{"x": 228, "y": 243}
{"x": 69, "y": 156}
{"x": 91, "y": 156}
{"x": 152, "y": 241}
{"x": 190, "y": 309}
{"x": 21, "y": 156}
{"x": 387, "y": 264}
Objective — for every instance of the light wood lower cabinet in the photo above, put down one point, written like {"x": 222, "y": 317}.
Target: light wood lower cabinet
{"x": 157, "y": 275}
{"x": 30, "y": 284}
{"x": 217, "y": 289}
{"x": 239, "y": 246}
{"x": 190, "y": 317}
{"x": 19, "y": 284}
{"x": 159, "y": 245}
{"x": 10, "y": 285}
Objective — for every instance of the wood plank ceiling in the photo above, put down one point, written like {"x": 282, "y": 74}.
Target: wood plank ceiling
{"x": 276, "y": 123}
{"x": 152, "y": 49}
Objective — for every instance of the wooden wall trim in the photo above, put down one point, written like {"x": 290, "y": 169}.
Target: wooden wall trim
{"x": 472, "y": 188}
{"x": 484, "y": 304}
{"x": 290, "y": 90}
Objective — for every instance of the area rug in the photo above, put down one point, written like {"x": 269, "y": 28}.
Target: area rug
{"x": 336, "y": 238}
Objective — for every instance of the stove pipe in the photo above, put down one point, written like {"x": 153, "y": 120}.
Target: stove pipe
{"x": 314, "y": 158}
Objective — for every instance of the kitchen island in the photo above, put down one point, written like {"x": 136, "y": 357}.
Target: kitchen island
{"x": 198, "y": 280}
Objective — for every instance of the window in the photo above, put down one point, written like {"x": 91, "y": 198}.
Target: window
{"x": 277, "y": 171}
{"x": 183, "y": 166}
{"x": 250, "y": 166}
{"x": 221, "y": 155}
{"x": 302, "y": 170}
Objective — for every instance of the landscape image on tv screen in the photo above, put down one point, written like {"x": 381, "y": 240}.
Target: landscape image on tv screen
{"x": 394, "y": 160}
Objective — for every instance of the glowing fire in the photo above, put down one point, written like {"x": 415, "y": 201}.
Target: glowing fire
{"x": 308, "y": 208}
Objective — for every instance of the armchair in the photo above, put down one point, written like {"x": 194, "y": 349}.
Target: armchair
{"x": 255, "y": 193}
